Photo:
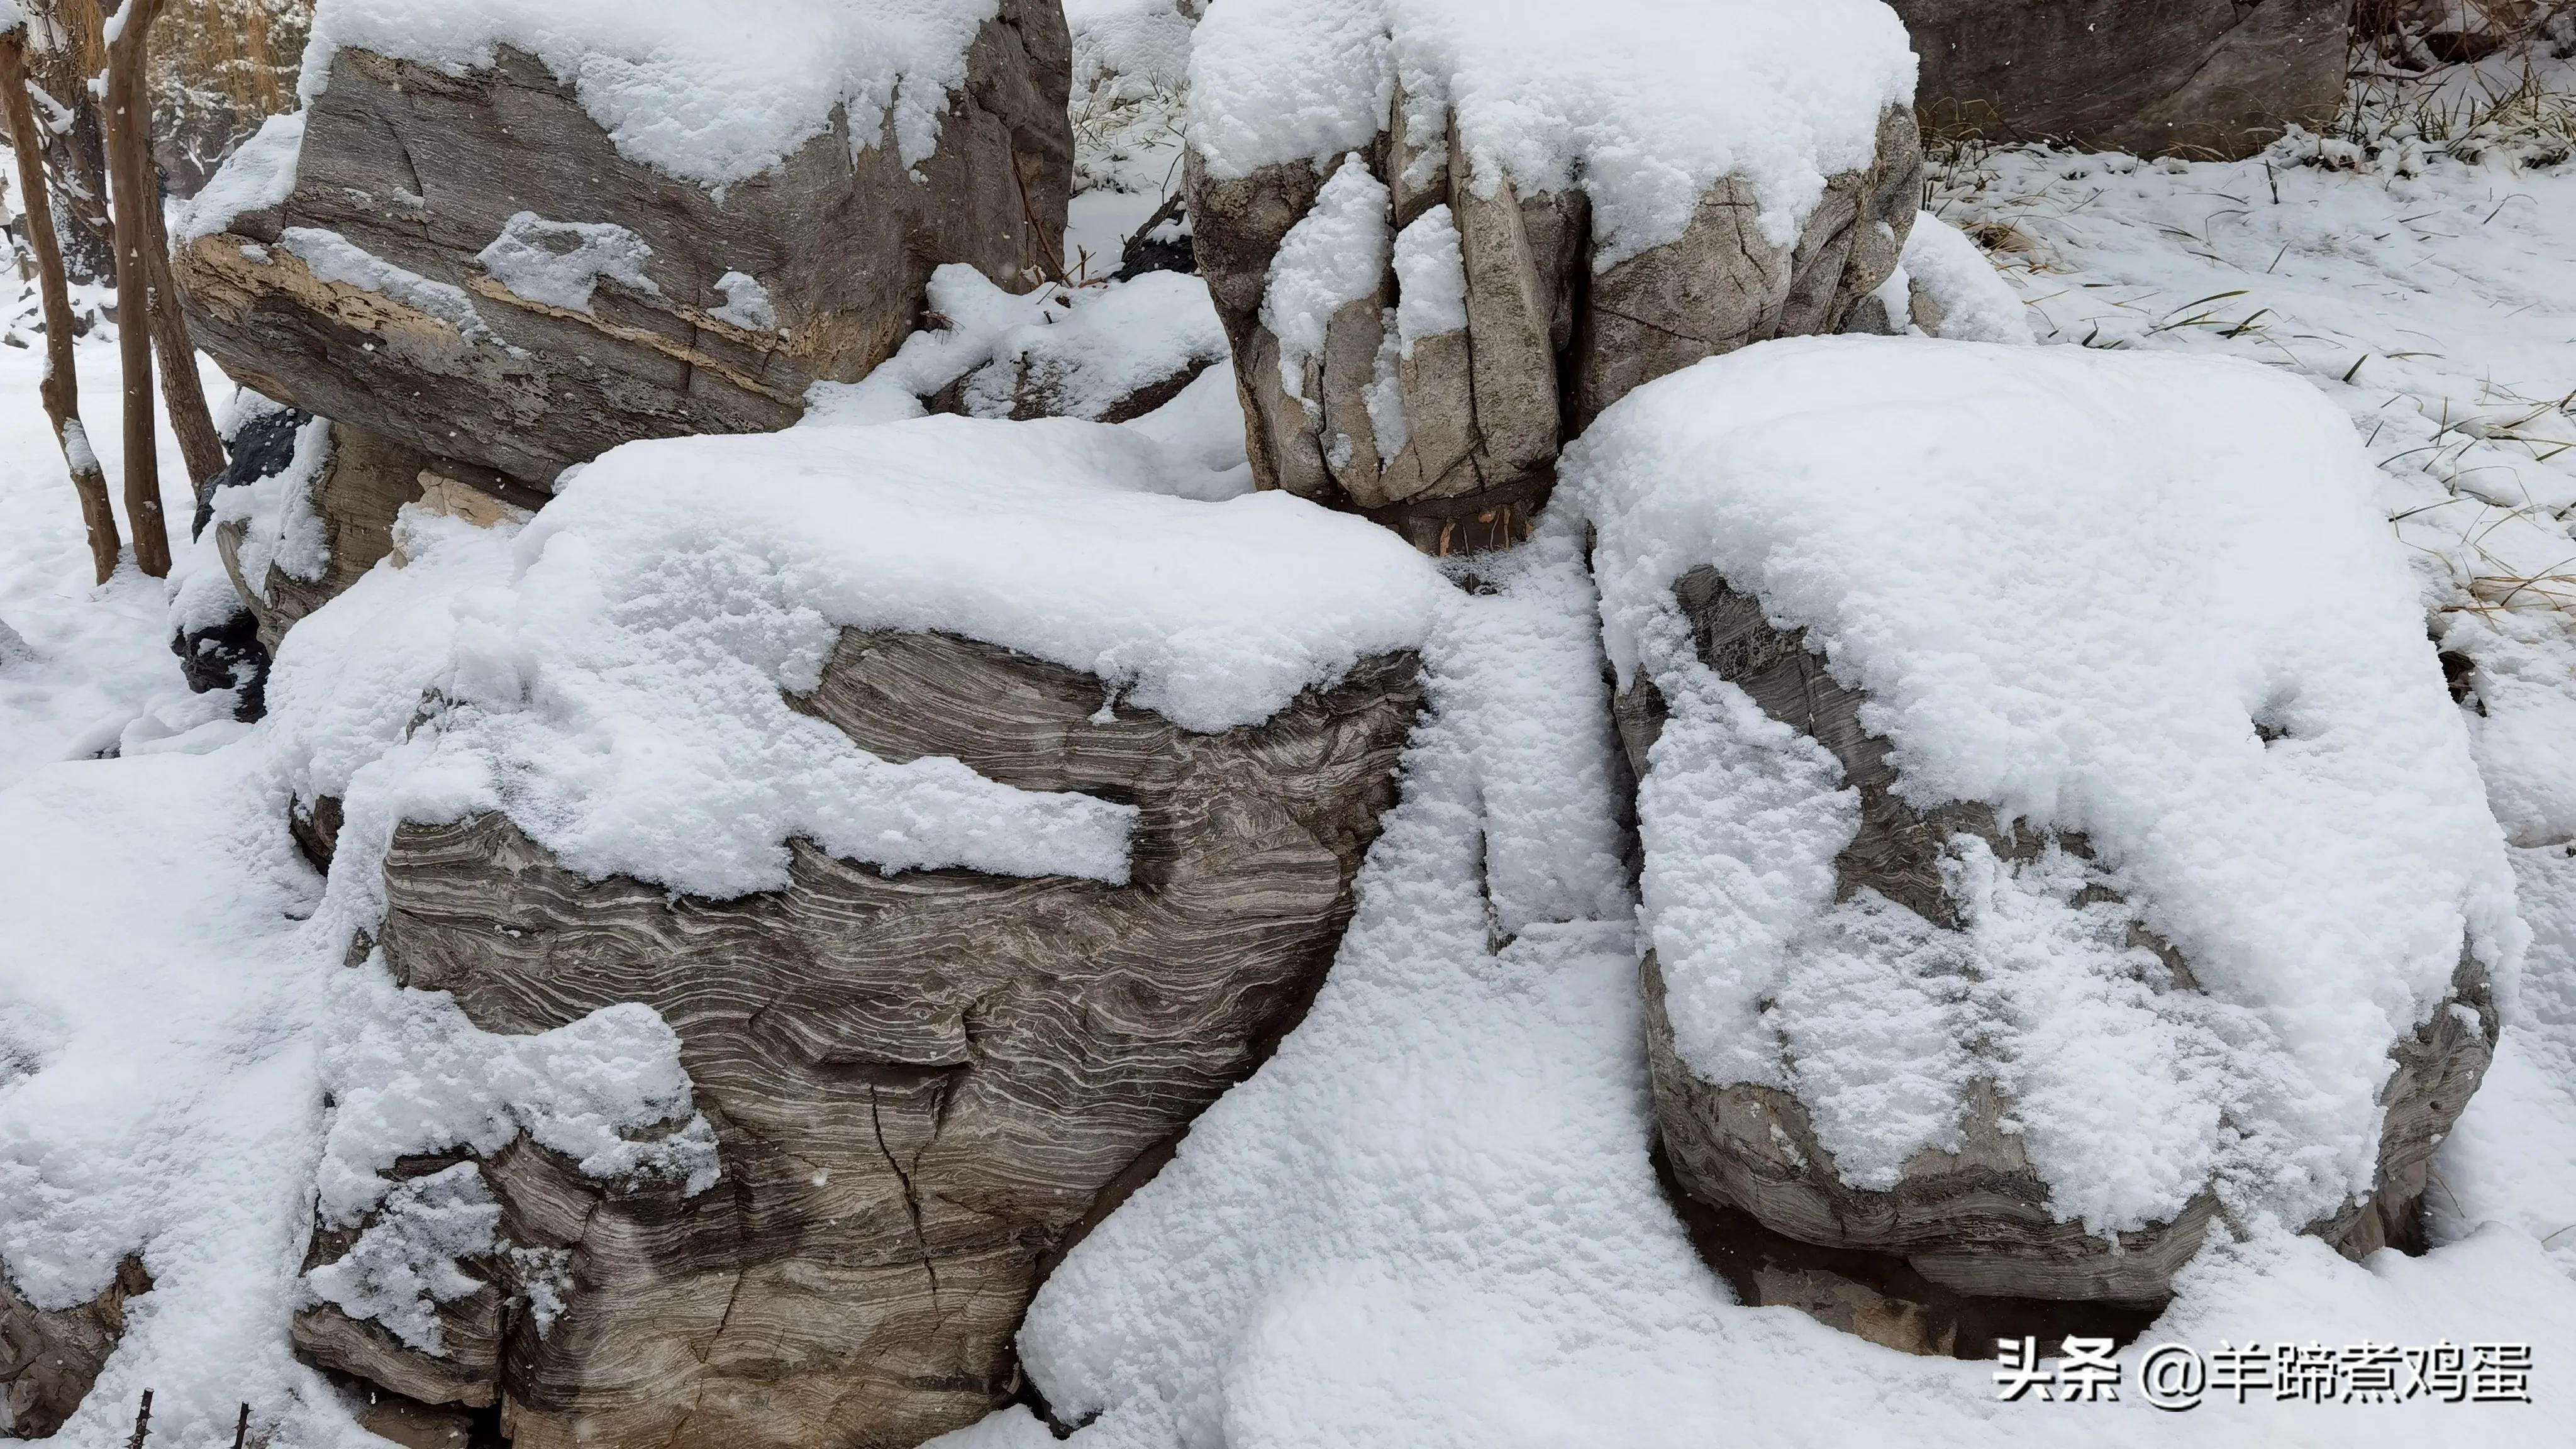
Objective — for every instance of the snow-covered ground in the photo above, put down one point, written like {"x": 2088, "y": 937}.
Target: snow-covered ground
{"x": 1431, "y": 1219}
{"x": 101, "y": 652}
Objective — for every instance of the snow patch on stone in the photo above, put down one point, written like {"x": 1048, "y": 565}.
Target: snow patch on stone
{"x": 1335, "y": 255}
{"x": 714, "y": 94}
{"x": 259, "y": 175}
{"x": 1977, "y": 304}
{"x": 1644, "y": 105}
{"x": 561, "y": 263}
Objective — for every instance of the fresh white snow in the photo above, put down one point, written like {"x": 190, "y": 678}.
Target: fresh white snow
{"x": 1642, "y": 105}
{"x": 1431, "y": 1220}
{"x": 1336, "y": 254}
{"x": 713, "y": 94}
{"x": 280, "y": 524}
{"x": 560, "y": 263}
{"x": 331, "y": 257}
{"x": 1976, "y": 304}
{"x": 746, "y": 303}
{"x": 1430, "y": 279}
{"x": 1079, "y": 351}
{"x": 260, "y": 174}
{"x": 2072, "y": 584}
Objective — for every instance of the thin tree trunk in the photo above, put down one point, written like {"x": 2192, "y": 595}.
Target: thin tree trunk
{"x": 129, "y": 178}
{"x": 181, "y": 389}
{"x": 63, "y": 52}
{"x": 61, "y": 387}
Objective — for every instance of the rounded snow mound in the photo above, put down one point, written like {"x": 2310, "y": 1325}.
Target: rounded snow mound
{"x": 2144, "y": 601}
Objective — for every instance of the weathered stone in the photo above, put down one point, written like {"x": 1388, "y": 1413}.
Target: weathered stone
{"x": 923, "y": 1083}
{"x": 2191, "y": 77}
{"x": 1548, "y": 344}
{"x": 423, "y": 170}
{"x": 356, "y": 493}
{"x": 1974, "y": 1224}
{"x": 49, "y": 1358}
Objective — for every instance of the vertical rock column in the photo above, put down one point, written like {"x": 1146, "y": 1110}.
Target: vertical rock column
{"x": 1415, "y": 339}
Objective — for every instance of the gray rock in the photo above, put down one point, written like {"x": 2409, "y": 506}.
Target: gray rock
{"x": 1971, "y": 1226}
{"x": 2185, "y": 77}
{"x": 423, "y": 170}
{"x": 924, "y": 1085}
{"x": 49, "y": 1358}
{"x": 1548, "y": 344}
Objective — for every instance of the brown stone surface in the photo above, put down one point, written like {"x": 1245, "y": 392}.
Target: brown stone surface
{"x": 1548, "y": 343}
{"x": 2187, "y": 77}
{"x": 49, "y": 1358}
{"x": 1975, "y": 1222}
{"x": 921, "y": 1083}
{"x": 423, "y": 170}
{"x": 356, "y": 492}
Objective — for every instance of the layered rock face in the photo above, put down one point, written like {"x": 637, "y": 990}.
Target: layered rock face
{"x": 925, "y": 1085}
{"x": 2185, "y": 77}
{"x": 1417, "y": 332}
{"x": 1965, "y": 1246}
{"x": 467, "y": 265}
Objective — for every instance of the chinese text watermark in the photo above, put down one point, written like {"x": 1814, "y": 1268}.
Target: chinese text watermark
{"x": 2176, "y": 1377}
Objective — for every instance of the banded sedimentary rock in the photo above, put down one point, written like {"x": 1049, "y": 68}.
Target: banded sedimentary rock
{"x": 924, "y": 1084}
{"x": 2187, "y": 77}
{"x": 379, "y": 290}
{"x": 1966, "y": 1245}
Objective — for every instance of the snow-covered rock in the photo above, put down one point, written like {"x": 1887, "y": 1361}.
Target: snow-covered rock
{"x": 50, "y": 1358}
{"x": 1109, "y": 353}
{"x": 1443, "y": 236}
{"x": 2196, "y": 78}
{"x": 973, "y": 812}
{"x": 2056, "y": 829}
{"x": 517, "y": 234}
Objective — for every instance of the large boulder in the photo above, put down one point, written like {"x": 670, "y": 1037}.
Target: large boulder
{"x": 1956, "y": 1030}
{"x": 973, "y": 811}
{"x": 1427, "y": 297}
{"x": 2180, "y": 77}
{"x": 1975, "y": 1220}
{"x": 923, "y": 1085}
{"x": 498, "y": 258}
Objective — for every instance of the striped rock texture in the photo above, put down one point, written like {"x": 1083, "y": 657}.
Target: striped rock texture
{"x": 422, "y": 170}
{"x": 925, "y": 1085}
{"x": 1549, "y": 342}
{"x": 1964, "y": 1247}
